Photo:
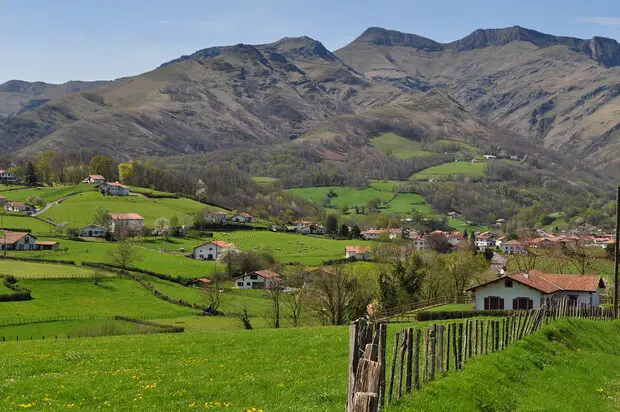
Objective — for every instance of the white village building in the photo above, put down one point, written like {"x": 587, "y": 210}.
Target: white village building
{"x": 213, "y": 250}
{"x": 260, "y": 279}
{"x": 529, "y": 290}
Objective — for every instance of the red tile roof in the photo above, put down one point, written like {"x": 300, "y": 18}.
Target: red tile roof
{"x": 360, "y": 250}
{"x": 219, "y": 243}
{"x": 550, "y": 283}
{"x": 16, "y": 204}
{"x": 9, "y": 238}
{"x": 116, "y": 184}
{"x": 125, "y": 216}
{"x": 267, "y": 274}
{"x": 45, "y": 242}
{"x": 96, "y": 177}
{"x": 513, "y": 243}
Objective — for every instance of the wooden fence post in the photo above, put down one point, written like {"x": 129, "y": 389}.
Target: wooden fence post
{"x": 486, "y": 337}
{"x": 448, "y": 343}
{"x": 425, "y": 357}
{"x": 393, "y": 367}
{"x": 366, "y": 397}
{"x": 353, "y": 361}
{"x": 382, "y": 360}
{"x": 440, "y": 348}
{"x": 409, "y": 359}
{"x": 460, "y": 347}
{"x": 401, "y": 363}
{"x": 470, "y": 339}
{"x": 476, "y": 337}
{"x": 433, "y": 345}
{"x": 416, "y": 360}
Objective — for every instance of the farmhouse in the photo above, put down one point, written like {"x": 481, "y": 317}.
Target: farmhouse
{"x": 46, "y": 245}
{"x": 485, "y": 240}
{"x": 454, "y": 215}
{"x": 260, "y": 279}
{"x": 114, "y": 189}
{"x": 419, "y": 243}
{"x": 357, "y": 252}
{"x": 513, "y": 247}
{"x": 92, "y": 231}
{"x": 126, "y": 224}
{"x": 25, "y": 208}
{"x": 216, "y": 217}
{"x": 94, "y": 179}
{"x": 17, "y": 241}
{"x": 529, "y": 290}
{"x": 213, "y": 250}
{"x": 7, "y": 177}
{"x": 374, "y": 234}
{"x": 242, "y": 218}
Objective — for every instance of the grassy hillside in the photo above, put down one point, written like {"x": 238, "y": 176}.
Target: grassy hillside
{"x": 448, "y": 170}
{"x": 398, "y": 146}
{"x": 48, "y": 194}
{"x": 33, "y": 270}
{"x": 15, "y": 221}
{"x": 79, "y": 210}
{"x": 569, "y": 365}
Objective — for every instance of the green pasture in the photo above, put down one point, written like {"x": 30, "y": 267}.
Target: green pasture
{"x": 37, "y": 227}
{"x": 398, "y": 146}
{"x": 35, "y": 270}
{"x": 447, "y": 170}
{"x": 48, "y": 194}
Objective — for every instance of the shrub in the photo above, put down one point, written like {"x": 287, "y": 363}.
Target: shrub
{"x": 458, "y": 314}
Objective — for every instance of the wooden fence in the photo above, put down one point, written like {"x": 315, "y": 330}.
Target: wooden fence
{"x": 420, "y": 356}
{"x": 385, "y": 315}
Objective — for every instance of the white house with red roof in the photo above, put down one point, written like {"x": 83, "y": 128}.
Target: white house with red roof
{"x": 213, "y": 250}
{"x": 126, "y": 224}
{"x": 529, "y": 290}
{"x": 357, "y": 252}
{"x": 22, "y": 207}
{"x": 513, "y": 247}
{"x": 419, "y": 243}
{"x": 216, "y": 217}
{"x": 485, "y": 240}
{"x": 114, "y": 189}
{"x": 259, "y": 279}
{"x": 17, "y": 241}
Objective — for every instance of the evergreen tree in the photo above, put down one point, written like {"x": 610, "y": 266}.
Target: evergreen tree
{"x": 344, "y": 231}
{"x": 31, "y": 174}
{"x": 356, "y": 233}
{"x": 331, "y": 224}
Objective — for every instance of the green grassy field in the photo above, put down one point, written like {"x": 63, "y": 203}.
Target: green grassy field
{"x": 144, "y": 190}
{"x": 79, "y": 210}
{"x": 398, "y": 146}
{"x": 48, "y": 194}
{"x": 452, "y": 169}
{"x": 36, "y": 226}
{"x": 569, "y": 365}
{"x": 71, "y": 297}
{"x": 264, "y": 179}
{"x": 33, "y": 270}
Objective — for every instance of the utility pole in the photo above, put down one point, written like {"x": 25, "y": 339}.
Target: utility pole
{"x": 616, "y": 254}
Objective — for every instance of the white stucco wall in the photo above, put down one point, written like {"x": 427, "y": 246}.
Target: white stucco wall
{"x": 208, "y": 249}
{"x": 586, "y": 298}
{"x": 248, "y": 282}
{"x": 508, "y": 294}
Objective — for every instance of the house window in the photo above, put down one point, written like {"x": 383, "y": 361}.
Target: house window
{"x": 508, "y": 283}
{"x": 493, "y": 303}
{"x": 522, "y": 304}
{"x": 240, "y": 284}
{"x": 248, "y": 284}
{"x": 253, "y": 277}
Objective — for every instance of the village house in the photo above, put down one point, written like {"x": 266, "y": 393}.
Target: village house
{"x": 92, "y": 231}
{"x": 242, "y": 218}
{"x": 420, "y": 244}
{"x": 114, "y": 189}
{"x": 260, "y": 279}
{"x": 513, "y": 247}
{"x": 357, "y": 252}
{"x": 7, "y": 177}
{"x": 216, "y": 217}
{"x": 311, "y": 230}
{"x": 299, "y": 224}
{"x": 213, "y": 250}
{"x": 22, "y": 207}
{"x": 94, "y": 179}
{"x": 46, "y": 245}
{"x": 17, "y": 241}
{"x": 126, "y": 224}
{"x": 529, "y": 290}
{"x": 455, "y": 238}
{"x": 396, "y": 233}
{"x": 454, "y": 215}
{"x": 485, "y": 240}
{"x": 374, "y": 234}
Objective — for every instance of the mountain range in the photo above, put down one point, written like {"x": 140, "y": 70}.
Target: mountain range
{"x": 512, "y": 88}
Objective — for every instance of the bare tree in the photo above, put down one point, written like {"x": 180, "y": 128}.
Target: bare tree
{"x": 295, "y": 304}
{"x": 581, "y": 257}
{"x": 213, "y": 294}
{"x": 274, "y": 315}
{"x": 526, "y": 259}
{"x": 97, "y": 275}
{"x": 124, "y": 254}
{"x": 333, "y": 294}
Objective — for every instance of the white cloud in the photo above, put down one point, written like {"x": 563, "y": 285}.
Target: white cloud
{"x": 602, "y": 21}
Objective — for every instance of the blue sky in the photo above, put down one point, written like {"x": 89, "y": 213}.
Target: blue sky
{"x": 63, "y": 40}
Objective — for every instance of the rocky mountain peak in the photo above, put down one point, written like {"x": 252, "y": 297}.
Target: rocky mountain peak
{"x": 383, "y": 37}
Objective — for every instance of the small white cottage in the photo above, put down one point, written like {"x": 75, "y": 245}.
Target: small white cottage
{"x": 357, "y": 252}
{"x": 529, "y": 290}
{"x": 92, "y": 231}
{"x": 260, "y": 279}
{"x": 213, "y": 250}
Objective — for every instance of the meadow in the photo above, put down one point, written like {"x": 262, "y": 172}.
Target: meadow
{"x": 450, "y": 170}
{"x": 73, "y": 297}
{"x": 34, "y": 270}
{"x": 48, "y": 194}
{"x": 399, "y": 147}
{"x": 79, "y": 210}
{"x": 14, "y": 221}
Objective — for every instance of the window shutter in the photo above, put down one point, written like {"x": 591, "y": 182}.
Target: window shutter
{"x": 501, "y": 303}
{"x": 530, "y": 304}
{"x": 515, "y": 304}
{"x": 486, "y": 303}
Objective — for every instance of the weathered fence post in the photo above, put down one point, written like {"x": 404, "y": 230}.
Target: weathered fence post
{"x": 433, "y": 344}
{"x": 440, "y": 348}
{"x": 425, "y": 357}
{"x": 366, "y": 396}
{"x": 382, "y": 360}
{"x": 476, "y": 337}
{"x": 409, "y": 359}
{"x": 486, "y": 337}
{"x": 401, "y": 363}
{"x": 449, "y": 328}
{"x": 460, "y": 347}
{"x": 416, "y": 360}
{"x": 353, "y": 361}
{"x": 393, "y": 367}
{"x": 470, "y": 339}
